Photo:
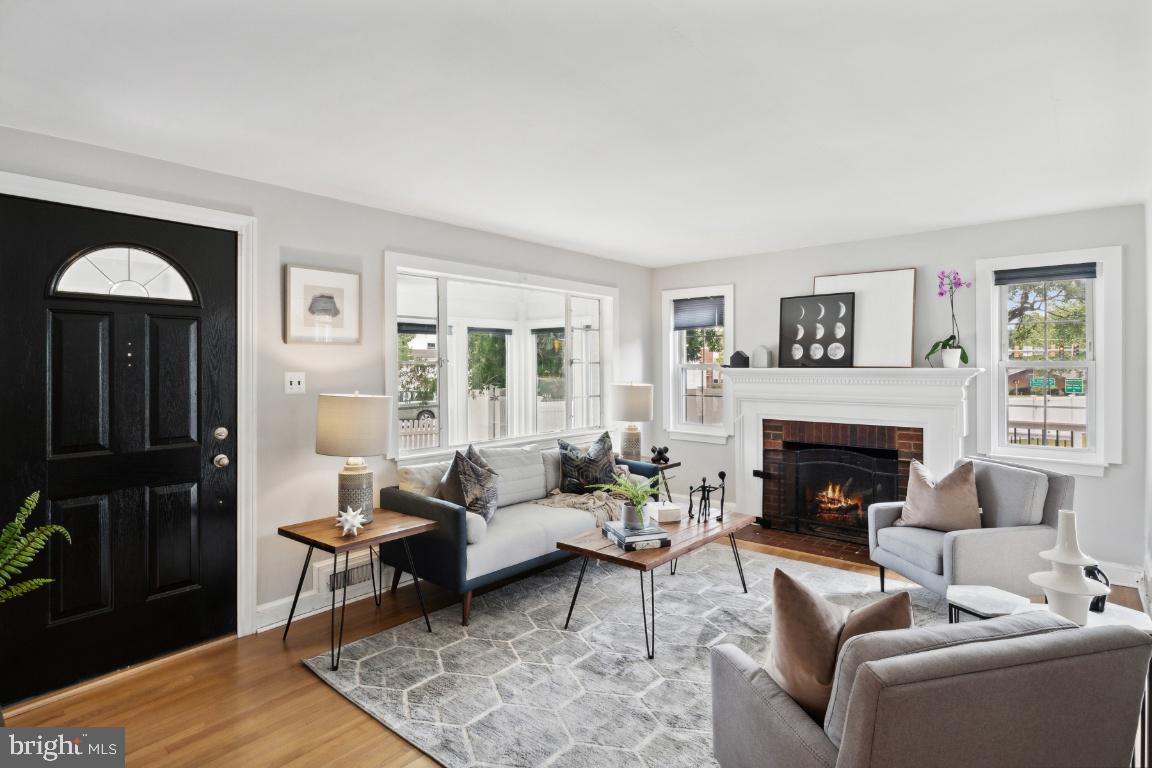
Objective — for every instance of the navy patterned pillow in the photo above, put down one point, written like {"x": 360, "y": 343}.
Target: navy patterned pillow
{"x": 580, "y": 469}
{"x": 470, "y": 485}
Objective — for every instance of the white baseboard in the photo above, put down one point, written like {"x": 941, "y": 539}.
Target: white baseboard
{"x": 314, "y": 596}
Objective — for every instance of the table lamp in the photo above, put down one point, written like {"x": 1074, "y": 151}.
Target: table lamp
{"x": 631, "y": 403}
{"x": 354, "y": 426}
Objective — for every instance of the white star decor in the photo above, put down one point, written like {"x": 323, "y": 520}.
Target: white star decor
{"x": 351, "y": 520}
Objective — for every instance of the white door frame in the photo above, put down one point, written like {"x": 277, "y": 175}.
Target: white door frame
{"x": 245, "y": 228}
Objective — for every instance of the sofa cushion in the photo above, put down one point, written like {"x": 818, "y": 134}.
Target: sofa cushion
{"x": 583, "y": 469}
{"x": 553, "y": 475}
{"x": 1010, "y": 495}
{"x": 523, "y": 532}
{"x": 521, "y": 474}
{"x": 882, "y": 645}
{"x": 808, "y": 630}
{"x": 423, "y": 479}
{"x": 942, "y": 504}
{"x": 922, "y": 547}
{"x": 475, "y": 527}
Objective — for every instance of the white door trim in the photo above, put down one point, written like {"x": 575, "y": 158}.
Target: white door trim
{"x": 245, "y": 228}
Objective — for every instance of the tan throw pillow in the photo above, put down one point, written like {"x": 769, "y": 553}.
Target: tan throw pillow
{"x": 808, "y": 632}
{"x": 947, "y": 504}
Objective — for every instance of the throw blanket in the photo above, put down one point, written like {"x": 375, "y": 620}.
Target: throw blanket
{"x": 598, "y": 503}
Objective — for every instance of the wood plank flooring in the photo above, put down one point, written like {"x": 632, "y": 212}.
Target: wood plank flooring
{"x": 250, "y": 702}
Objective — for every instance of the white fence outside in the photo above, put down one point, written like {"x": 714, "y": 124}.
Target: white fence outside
{"x": 419, "y": 433}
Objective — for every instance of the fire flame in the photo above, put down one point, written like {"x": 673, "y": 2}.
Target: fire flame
{"x": 833, "y": 498}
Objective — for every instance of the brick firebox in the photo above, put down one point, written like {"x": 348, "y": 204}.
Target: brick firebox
{"x": 782, "y": 437}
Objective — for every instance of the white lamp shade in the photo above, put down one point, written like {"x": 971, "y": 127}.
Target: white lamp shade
{"x": 631, "y": 402}
{"x": 353, "y": 425}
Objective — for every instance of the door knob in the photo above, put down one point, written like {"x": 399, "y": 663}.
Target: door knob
{"x": 221, "y": 460}
{"x": 220, "y": 433}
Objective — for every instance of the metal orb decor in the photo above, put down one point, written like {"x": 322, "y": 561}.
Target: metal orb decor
{"x": 659, "y": 455}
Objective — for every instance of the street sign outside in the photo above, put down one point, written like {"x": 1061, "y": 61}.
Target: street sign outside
{"x": 1040, "y": 382}
{"x": 1074, "y": 386}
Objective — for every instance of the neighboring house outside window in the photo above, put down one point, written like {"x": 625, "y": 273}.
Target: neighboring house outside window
{"x": 698, "y": 334}
{"x": 1052, "y": 358}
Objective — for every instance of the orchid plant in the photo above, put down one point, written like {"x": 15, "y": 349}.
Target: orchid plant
{"x": 947, "y": 283}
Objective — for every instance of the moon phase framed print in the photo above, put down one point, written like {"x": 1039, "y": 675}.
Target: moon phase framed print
{"x": 817, "y": 331}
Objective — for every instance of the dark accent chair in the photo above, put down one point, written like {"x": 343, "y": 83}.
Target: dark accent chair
{"x": 441, "y": 556}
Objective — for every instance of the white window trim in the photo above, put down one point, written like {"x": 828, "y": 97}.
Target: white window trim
{"x": 1107, "y": 320}
{"x": 409, "y": 263}
{"x": 714, "y": 434}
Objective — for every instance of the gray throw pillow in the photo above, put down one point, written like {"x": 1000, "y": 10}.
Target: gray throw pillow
{"x": 470, "y": 485}
{"x": 581, "y": 468}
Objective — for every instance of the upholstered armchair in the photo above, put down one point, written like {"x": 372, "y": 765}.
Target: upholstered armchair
{"x": 1031, "y": 690}
{"x": 1019, "y": 511}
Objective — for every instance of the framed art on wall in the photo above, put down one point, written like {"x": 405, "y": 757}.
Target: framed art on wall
{"x": 817, "y": 331}
{"x": 321, "y": 306}
{"x": 885, "y": 312}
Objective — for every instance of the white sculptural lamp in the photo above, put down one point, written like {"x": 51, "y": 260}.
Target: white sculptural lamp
{"x": 1068, "y": 590}
{"x": 631, "y": 403}
{"x": 353, "y": 426}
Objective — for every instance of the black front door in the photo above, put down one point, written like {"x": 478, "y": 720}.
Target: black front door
{"x": 117, "y": 395}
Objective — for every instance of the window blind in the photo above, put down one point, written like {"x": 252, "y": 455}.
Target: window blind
{"x": 490, "y": 331}
{"x": 412, "y": 327}
{"x": 701, "y": 312}
{"x": 548, "y": 332}
{"x": 1085, "y": 271}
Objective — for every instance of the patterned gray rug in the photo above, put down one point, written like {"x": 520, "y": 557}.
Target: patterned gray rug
{"x": 515, "y": 689}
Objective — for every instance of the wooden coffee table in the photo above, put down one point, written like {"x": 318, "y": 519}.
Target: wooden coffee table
{"x": 325, "y": 535}
{"x": 687, "y": 536}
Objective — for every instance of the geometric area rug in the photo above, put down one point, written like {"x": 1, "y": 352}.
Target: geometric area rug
{"x": 515, "y": 689}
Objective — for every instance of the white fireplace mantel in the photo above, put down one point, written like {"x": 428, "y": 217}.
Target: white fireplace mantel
{"x": 933, "y": 399}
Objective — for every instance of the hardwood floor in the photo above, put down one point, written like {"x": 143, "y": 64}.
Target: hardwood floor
{"x": 250, "y": 702}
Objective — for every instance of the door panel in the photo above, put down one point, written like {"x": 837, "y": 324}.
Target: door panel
{"x": 174, "y": 546}
{"x": 82, "y": 570}
{"x": 111, "y": 410}
{"x": 79, "y": 381}
{"x": 173, "y": 402}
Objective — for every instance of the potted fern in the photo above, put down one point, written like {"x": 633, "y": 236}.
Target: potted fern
{"x": 17, "y": 551}
{"x": 635, "y": 493}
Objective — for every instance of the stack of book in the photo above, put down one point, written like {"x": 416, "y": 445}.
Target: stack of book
{"x": 632, "y": 539}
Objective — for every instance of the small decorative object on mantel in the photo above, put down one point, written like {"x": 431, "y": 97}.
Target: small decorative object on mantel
{"x": 817, "y": 331}
{"x": 704, "y": 511}
{"x": 1068, "y": 590}
{"x": 952, "y": 353}
{"x": 738, "y": 360}
{"x": 1095, "y": 573}
{"x": 761, "y": 357}
{"x": 351, "y": 520}
{"x": 659, "y": 455}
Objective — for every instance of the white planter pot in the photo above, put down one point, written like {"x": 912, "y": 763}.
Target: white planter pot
{"x": 951, "y": 358}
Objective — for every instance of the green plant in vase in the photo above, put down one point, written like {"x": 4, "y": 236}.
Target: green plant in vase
{"x": 635, "y": 493}
{"x": 19, "y": 548}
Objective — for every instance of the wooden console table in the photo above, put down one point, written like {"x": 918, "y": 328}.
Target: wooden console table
{"x": 324, "y": 534}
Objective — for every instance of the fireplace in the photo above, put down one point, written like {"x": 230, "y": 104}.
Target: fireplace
{"x": 819, "y": 477}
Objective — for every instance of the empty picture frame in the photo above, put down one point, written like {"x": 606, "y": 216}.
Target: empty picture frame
{"x": 885, "y": 314}
{"x": 816, "y": 331}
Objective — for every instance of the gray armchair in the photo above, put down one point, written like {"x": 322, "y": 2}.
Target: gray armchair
{"x": 1020, "y": 506}
{"x": 1029, "y": 691}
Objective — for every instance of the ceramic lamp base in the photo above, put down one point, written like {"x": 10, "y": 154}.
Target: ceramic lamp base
{"x": 355, "y": 489}
{"x": 630, "y": 443}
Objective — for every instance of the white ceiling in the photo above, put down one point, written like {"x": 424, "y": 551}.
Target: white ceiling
{"x": 650, "y": 131}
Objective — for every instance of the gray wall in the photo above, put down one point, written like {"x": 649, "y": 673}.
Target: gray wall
{"x": 1112, "y": 507}
{"x": 294, "y": 483}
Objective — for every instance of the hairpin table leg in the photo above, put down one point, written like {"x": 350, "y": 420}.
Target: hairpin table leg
{"x": 576, "y": 593}
{"x": 739, "y": 565}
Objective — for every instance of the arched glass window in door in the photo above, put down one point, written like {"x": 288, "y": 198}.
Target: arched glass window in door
{"x": 124, "y": 271}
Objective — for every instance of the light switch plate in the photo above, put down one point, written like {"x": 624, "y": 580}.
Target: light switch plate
{"x": 294, "y": 383}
